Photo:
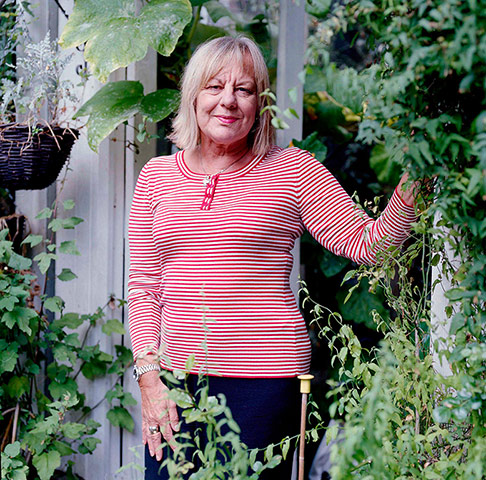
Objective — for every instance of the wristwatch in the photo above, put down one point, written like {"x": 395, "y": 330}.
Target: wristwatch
{"x": 139, "y": 371}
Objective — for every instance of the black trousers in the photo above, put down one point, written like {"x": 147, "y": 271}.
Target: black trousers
{"x": 266, "y": 410}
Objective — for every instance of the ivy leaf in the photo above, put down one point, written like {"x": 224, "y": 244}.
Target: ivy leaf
{"x": 17, "y": 386}
{"x": 58, "y": 390}
{"x": 32, "y": 240}
{"x": 73, "y": 430}
{"x": 46, "y": 462}
{"x": 63, "y": 353}
{"x": 88, "y": 445}
{"x": 18, "y": 262}
{"x": 120, "y": 417}
{"x": 441, "y": 414}
{"x": 65, "y": 223}
{"x": 69, "y": 320}
{"x": 12, "y": 449}
{"x": 44, "y": 213}
{"x": 116, "y": 37}
{"x": 113, "y": 326}
{"x": 68, "y": 204}
{"x": 63, "y": 448}
{"x": 19, "y": 316}
{"x": 158, "y": 105}
{"x": 44, "y": 260}
{"x": 69, "y": 247}
{"x": 8, "y": 356}
{"x": 54, "y": 304}
{"x": 66, "y": 275}
{"x": 162, "y": 23}
{"x": 8, "y": 302}
{"x": 116, "y": 392}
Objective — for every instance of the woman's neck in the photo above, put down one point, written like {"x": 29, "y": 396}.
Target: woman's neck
{"x": 211, "y": 159}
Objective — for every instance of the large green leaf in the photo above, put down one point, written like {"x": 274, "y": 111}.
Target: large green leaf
{"x": 115, "y": 36}
{"x": 46, "y": 462}
{"x": 385, "y": 165}
{"x": 313, "y": 145}
{"x": 160, "y": 104}
{"x": 113, "y": 104}
{"x": 162, "y": 23}
{"x": 118, "y": 101}
{"x": 120, "y": 417}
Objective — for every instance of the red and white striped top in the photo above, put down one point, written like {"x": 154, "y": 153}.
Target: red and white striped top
{"x": 210, "y": 264}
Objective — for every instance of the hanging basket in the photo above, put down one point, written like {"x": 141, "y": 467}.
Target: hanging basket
{"x": 32, "y": 161}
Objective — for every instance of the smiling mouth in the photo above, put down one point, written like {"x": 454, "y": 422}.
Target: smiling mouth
{"x": 227, "y": 120}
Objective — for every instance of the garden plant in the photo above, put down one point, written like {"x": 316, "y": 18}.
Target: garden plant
{"x": 420, "y": 105}
{"x": 413, "y": 100}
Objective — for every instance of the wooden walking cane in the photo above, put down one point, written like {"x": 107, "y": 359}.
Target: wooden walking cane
{"x": 305, "y": 388}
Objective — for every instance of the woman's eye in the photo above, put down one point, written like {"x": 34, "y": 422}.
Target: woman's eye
{"x": 246, "y": 91}
{"x": 213, "y": 87}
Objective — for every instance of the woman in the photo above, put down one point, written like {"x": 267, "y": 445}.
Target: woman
{"x": 211, "y": 231}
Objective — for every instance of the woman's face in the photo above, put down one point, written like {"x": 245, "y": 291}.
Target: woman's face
{"x": 226, "y": 106}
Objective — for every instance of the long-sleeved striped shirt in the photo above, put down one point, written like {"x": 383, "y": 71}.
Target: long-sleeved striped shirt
{"x": 210, "y": 261}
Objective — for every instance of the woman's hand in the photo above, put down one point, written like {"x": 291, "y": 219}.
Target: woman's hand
{"x": 157, "y": 410}
{"x": 408, "y": 195}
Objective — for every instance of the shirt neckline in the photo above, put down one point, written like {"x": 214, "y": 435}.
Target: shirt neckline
{"x": 188, "y": 173}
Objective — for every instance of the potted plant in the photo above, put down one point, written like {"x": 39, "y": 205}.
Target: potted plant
{"x": 35, "y": 138}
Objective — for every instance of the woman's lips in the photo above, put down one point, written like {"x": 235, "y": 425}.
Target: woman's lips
{"x": 225, "y": 119}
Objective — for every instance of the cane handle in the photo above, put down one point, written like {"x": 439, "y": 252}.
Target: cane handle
{"x": 305, "y": 383}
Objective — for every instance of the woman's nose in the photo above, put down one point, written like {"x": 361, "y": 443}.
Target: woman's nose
{"x": 228, "y": 97}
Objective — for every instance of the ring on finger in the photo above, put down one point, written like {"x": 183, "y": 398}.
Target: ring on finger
{"x": 154, "y": 429}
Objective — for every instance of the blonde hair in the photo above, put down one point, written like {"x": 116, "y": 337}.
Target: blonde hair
{"x": 209, "y": 59}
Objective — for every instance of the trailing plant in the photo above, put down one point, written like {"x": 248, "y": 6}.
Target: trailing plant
{"x": 426, "y": 113}
{"x": 215, "y": 447}
{"x": 43, "y": 351}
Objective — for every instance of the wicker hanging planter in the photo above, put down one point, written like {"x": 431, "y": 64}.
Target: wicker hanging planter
{"x": 33, "y": 161}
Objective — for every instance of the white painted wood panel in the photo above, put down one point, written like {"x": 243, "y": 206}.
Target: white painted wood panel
{"x": 291, "y": 53}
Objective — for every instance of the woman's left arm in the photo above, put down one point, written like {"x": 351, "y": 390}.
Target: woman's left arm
{"x": 340, "y": 225}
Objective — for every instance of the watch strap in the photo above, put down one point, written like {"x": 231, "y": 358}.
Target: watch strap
{"x": 138, "y": 371}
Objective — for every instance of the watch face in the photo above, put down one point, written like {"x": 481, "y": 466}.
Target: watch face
{"x": 135, "y": 373}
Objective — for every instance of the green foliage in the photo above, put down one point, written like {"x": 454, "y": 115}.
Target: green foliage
{"x": 29, "y": 341}
{"x": 425, "y": 113}
{"x": 314, "y": 146}
{"x": 116, "y": 102}
{"x": 223, "y": 455}
{"x": 115, "y": 35}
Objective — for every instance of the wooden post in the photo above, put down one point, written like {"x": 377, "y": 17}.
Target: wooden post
{"x": 305, "y": 388}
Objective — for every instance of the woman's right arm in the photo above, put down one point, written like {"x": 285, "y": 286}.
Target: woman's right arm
{"x": 144, "y": 318}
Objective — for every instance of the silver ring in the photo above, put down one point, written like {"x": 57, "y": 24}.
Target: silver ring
{"x": 153, "y": 430}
